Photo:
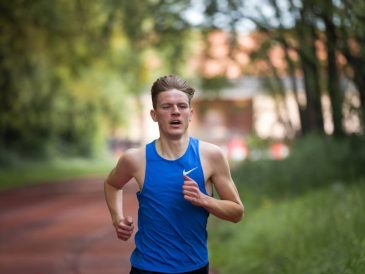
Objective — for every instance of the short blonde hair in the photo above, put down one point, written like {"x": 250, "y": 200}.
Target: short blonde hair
{"x": 170, "y": 82}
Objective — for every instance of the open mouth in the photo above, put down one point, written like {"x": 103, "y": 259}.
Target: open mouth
{"x": 175, "y": 122}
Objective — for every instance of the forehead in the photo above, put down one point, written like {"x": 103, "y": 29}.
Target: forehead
{"x": 172, "y": 96}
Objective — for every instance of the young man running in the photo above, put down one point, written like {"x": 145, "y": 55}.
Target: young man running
{"x": 176, "y": 175}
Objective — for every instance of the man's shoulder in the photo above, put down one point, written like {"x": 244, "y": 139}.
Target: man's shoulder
{"x": 133, "y": 157}
{"x": 133, "y": 153}
{"x": 211, "y": 151}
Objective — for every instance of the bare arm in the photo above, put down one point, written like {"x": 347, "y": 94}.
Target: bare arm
{"x": 229, "y": 206}
{"x": 113, "y": 190}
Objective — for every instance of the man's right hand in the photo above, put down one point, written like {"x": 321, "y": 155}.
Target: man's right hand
{"x": 124, "y": 228}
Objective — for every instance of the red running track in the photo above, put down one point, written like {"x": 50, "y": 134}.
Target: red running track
{"x": 62, "y": 228}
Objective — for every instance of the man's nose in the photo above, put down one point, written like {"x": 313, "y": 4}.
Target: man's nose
{"x": 175, "y": 110}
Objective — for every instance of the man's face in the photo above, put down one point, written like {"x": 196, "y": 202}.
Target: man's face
{"x": 173, "y": 112}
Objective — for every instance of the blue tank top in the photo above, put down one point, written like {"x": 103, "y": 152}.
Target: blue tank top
{"x": 171, "y": 234}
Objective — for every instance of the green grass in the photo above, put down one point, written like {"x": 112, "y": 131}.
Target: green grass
{"x": 304, "y": 214}
{"x": 322, "y": 231}
{"x": 27, "y": 173}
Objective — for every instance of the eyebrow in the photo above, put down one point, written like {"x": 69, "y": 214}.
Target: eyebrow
{"x": 178, "y": 103}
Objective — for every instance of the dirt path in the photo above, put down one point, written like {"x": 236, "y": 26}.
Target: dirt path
{"x": 62, "y": 228}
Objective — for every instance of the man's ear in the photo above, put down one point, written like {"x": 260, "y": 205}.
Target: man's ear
{"x": 191, "y": 115}
{"x": 153, "y": 115}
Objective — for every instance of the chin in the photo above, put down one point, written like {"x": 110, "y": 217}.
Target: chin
{"x": 176, "y": 133}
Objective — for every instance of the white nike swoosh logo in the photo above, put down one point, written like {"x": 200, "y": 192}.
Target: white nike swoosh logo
{"x": 187, "y": 172}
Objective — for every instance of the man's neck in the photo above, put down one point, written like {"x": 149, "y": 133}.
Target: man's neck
{"x": 172, "y": 149}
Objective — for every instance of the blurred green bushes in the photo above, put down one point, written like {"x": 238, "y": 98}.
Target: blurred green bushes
{"x": 319, "y": 232}
{"x": 23, "y": 173}
{"x": 304, "y": 214}
{"x": 315, "y": 161}
{"x": 69, "y": 70}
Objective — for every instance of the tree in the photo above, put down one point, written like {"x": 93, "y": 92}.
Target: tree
{"x": 351, "y": 30}
{"x": 66, "y": 66}
{"x": 300, "y": 26}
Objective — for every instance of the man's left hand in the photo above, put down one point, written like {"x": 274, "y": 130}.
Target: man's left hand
{"x": 192, "y": 192}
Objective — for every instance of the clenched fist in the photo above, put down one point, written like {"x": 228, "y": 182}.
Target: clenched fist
{"x": 124, "y": 228}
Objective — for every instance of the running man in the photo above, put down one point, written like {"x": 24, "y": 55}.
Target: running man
{"x": 176, "y": 175}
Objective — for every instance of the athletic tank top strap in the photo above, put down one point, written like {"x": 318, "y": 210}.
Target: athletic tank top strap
{"x": 151, "y": 153}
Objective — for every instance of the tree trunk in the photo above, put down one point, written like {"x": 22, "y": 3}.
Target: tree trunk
{"x": 333, "y": 81}
{"x": 359, "y": 79}
{"x": 311, "y": 73}
{"x": 279, "y": 95}
{"x": 358, "y": 65}
{"x": 294, "y": 86}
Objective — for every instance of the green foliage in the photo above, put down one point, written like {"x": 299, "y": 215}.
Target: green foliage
{"x": 298, "y": 28}
{"x": 215, "y": 84}
{"x": 46, "y": 46}
{"x": 320, "y": 232}
{"x": 25, "y": 173}
{"x": 66, "y": 68}
{"x": 302, "y": 214}
{"x": 315, "y": 162}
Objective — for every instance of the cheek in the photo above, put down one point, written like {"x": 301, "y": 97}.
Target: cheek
{"x": 190, "y": 115}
